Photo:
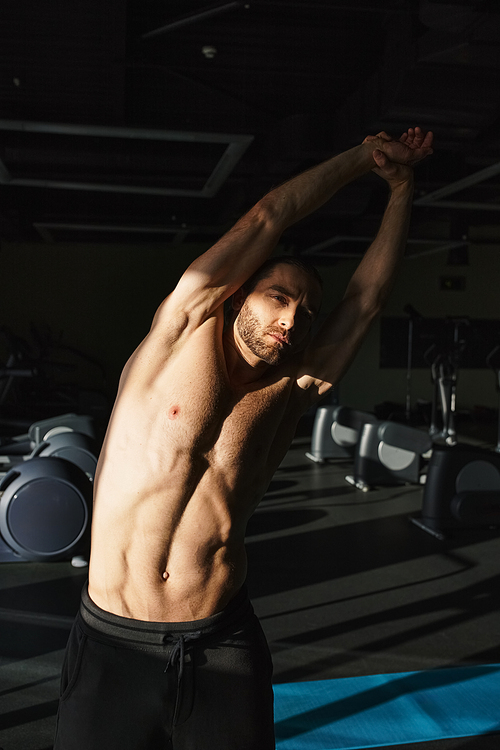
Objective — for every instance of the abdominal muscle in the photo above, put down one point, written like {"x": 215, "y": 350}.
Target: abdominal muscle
{"x": 166, "y": 556}
{"x": 168, "y": 530}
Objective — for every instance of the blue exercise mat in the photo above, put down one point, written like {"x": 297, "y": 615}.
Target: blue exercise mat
{"x": 387, "y": 709}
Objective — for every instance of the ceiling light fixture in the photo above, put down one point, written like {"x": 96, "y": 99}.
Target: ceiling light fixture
{"x": 209, "y": 51}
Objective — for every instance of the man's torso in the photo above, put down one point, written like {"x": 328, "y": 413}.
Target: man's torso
{"x": 187, "y": 457}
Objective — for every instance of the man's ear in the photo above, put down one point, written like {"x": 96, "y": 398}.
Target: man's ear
{"x": 238, "y": 299}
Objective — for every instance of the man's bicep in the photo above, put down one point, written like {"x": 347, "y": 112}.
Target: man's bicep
{"x": 193, "y": 298}
{"x": 334, "y": 346}
{"x": 183, "y": 311}
{"x": 224, "y": 268}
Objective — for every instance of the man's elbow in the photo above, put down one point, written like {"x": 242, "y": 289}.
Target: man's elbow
{"x": 269, "y": 215}
{"x": 376, "y": 304}
{"x": 368, "y": 304}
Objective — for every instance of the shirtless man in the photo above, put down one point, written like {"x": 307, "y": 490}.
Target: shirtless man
{"x": 166, "y": 651}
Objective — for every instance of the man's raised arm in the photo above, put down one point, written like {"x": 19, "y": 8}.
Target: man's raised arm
{"x": 220, "y": 271}
{"x": 336, "y": 344}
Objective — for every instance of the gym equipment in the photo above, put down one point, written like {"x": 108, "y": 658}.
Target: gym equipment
{"x": 47, "y": 428}
{"x": 444, "y": 377}
{"x": 389, "y": 453}
{"x": 72, "y": 446}
{"x": 396, "y": 708}
{"x": 45, "y": 509}
{"x": 46, "y": 494}
{"x": 462, "y": 490}
{"x": 336, "y": 432}
{"x": 444, "y": 370}
{"x": 24, "y": 447}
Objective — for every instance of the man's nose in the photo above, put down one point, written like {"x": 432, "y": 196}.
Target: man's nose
{"x": 287, "y": 320}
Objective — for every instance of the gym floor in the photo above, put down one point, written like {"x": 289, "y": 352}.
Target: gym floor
{"x": 344, "y": 584}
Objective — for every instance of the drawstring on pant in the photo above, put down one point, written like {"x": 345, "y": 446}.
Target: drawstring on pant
{"x": 177, "y": 655}
{"x": 178, "y": 652}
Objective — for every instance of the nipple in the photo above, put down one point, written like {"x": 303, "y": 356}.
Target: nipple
{"x": 173, "y": 413}
{"x": 165, "y": 575}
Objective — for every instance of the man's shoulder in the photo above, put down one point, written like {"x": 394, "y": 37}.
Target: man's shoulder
{"x": 174, "y": 318}
{"x": 172, "y": 337}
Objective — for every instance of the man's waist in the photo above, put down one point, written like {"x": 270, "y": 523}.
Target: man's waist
{"x": 134, "y": 631}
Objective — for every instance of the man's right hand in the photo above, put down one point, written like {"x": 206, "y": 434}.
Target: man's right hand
{"x": 393, "y": 173}
{"x": 412, "y": 147}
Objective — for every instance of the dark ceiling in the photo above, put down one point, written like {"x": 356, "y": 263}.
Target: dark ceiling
{"x": 155, "y": 121}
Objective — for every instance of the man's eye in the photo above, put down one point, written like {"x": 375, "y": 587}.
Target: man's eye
{"x": 279, "y": 298}
{"x": 306, "y": 313}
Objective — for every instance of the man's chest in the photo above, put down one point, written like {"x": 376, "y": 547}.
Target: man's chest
{"x": 254, "y": 435}
{"x": 203, "y": 410}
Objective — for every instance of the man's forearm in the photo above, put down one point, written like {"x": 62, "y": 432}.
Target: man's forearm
{"x": 305, "y": 193}
{"x": 302, "y": 195}
{"x": 376, "y": 273}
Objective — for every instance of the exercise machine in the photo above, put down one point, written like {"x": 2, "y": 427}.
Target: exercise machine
{"x": 444, "y": 372}
{"x": 45, "y": 510}
{"x": 384, "y": 452}
{"x": 336, "y": 432}
{"x": 389, "y": 453}
{"x": 444, "y": 378}
{"x": 462, "y": 490}
{"x": 50, "y": 435}
{"x": 46, "y": 495}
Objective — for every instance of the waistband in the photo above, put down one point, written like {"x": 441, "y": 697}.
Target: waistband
{"x": 131, "y": 631}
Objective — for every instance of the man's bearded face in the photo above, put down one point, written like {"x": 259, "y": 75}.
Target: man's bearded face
{"x": 253, "y": 334}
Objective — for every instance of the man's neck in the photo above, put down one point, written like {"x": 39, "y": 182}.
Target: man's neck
{"x": 243, "y": 368}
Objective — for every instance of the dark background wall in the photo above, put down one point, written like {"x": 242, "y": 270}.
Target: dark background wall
{"x": 98, "y": 298}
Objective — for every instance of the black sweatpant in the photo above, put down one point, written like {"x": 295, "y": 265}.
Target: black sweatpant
{"x": 136, "y": 685}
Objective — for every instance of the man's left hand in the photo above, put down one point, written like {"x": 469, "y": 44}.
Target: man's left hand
{"x": 412, "y": 147}
{"x": 395, "y": 158}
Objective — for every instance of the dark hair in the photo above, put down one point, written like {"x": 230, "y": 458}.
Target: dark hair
{"x": 267, "y": 267}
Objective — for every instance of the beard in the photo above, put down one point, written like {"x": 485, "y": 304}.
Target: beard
{"x": 252, "y": 334}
